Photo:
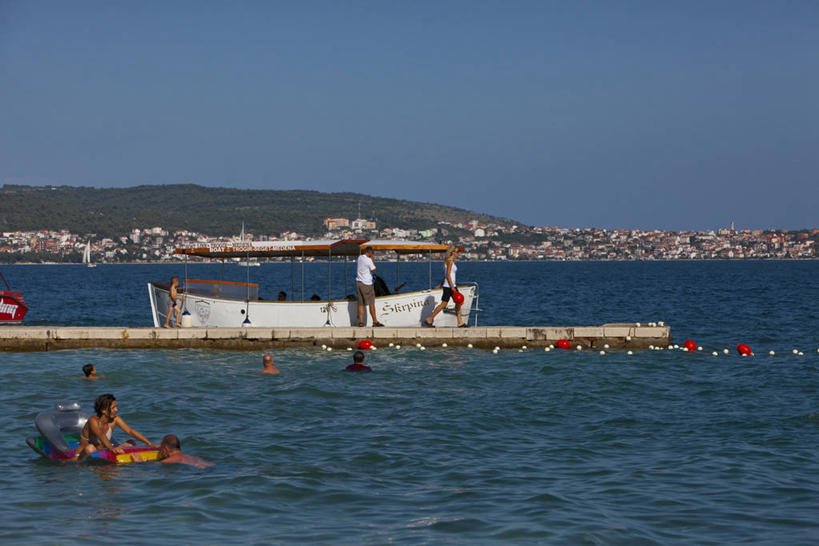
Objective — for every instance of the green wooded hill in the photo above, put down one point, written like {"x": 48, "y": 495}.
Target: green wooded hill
{"x": 110, "y": 212}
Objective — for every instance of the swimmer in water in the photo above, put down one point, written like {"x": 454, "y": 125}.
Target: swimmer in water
{"x": 90, "y": 372}
{"x": 170, "y": 451}
{"x": 267, "y": 362}
{"x": 98, "y": 430}
{"x": 358, "y": 364}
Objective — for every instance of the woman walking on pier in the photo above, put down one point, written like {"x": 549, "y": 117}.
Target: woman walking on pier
{"x": 450, "y": 269}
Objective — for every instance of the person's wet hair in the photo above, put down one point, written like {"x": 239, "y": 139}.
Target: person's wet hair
{"x": 103, "y": 403}
{"x": 358, "y": 356}
{"x": 171, "y": 441}
{"x": 87, "y": 369}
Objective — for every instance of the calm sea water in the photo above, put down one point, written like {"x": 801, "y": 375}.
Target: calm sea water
{"x": 443, "y": 445}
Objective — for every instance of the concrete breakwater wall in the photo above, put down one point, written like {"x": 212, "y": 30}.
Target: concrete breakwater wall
{"x": 50, "y": 338}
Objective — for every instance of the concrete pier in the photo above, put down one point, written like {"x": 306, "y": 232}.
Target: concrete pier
{"x": 621, "y": 336}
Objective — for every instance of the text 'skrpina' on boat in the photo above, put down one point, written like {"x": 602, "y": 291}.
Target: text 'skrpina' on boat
{"x": 207, "y": 303}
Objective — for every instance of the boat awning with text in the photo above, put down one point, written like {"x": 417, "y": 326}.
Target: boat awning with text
{"x": 317, "y": 248}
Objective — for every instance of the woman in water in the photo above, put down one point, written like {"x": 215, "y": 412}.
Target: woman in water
{"x": 449, "y": 287}
{"x": 98, "y": 430}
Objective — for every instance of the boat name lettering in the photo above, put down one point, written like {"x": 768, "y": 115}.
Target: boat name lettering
{"x": 389, "y": 308}
{"x": 9, "y": 308}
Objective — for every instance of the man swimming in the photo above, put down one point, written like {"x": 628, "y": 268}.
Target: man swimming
{"x": 268, "y": 366}
{"x": 170, "y": 451}
{"x": 358, "y": 364}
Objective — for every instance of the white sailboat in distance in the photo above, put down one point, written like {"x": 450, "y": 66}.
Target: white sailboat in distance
{"x": 86, "y": 256}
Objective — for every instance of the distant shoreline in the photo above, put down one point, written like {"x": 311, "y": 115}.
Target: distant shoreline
{"x": 687, "y": 260}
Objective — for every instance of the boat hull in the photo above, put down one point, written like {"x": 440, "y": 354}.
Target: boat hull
{"x": 395, "y": 310}
{"x": 12, "y": 307}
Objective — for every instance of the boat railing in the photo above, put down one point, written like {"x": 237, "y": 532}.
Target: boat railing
{"x": 475, "y": 306}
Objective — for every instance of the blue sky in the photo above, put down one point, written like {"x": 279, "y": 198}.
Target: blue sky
{"x": 671, "y": 115}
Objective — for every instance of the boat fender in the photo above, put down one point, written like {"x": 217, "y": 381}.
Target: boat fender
{"x": 63, "y": 418}
{"x": 187, "y": 319}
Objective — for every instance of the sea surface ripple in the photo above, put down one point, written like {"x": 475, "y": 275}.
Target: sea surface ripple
{"x": 447, "y": 445}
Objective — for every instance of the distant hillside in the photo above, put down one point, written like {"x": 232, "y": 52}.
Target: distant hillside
{"x": 214, "y": 211}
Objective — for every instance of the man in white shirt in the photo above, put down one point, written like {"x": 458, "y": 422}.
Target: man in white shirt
{"x": 365, "y": 294}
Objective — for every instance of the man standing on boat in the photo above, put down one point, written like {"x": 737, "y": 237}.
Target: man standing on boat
{"x": 365, "y": 294}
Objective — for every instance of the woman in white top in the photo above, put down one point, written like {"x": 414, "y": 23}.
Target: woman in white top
{"x": 450, "y": 269}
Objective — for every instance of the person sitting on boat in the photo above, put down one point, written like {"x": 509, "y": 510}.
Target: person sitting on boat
{"x": 175, "y": 304}
{"x": 98, "y": 430}
{"x": 170, "y": 451}
{"x": 358, "y": 364}
{"x": 268, "y": 366}
{"x": 90, "y": 372}
{"x": 449, "y": 287}
{"x": 282, "y": 296}
{"x": 365, "y": 267}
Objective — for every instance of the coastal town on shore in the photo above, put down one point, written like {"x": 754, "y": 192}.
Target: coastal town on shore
{"x": 490, "y": 242}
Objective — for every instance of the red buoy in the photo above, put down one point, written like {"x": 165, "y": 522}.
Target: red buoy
{"x": 458, "y": 298}
{"x": 744, "y": 350}
{"x": 563, "y": 344}
{"x": 365, "y": 344}
{"x": 690, "y": 345}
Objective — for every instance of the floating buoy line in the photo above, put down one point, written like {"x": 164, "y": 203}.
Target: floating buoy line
{"x": 689, "y": 346}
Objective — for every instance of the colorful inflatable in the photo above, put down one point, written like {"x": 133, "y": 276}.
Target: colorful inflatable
{"x": 60, "y": 429}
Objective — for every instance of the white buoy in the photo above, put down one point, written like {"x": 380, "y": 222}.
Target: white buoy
{"x": 715, "y": 353}
{"x": 684, "y": 349}
{"x": 324, "y": 347}
{"x": 579, "y": 348}
{"x": 392, "y": 344}
{"x": 725, "y": 351}
{"x": 329, "y": 349}
{"x": 552, "y": 347}
{"x": 606, "y": 346}
{"x": 497, "y": 348}
{"x": 417, "y": 344}
{"x": 520, "y": 350}
{"x": 524, "y": 347}
{"x": 444, "y": 345}
{"x": 795, "y": 352}
{"x": 801, "y": 353}
{"x": 546, "y": 349}
{"x": 349, "y": 348}
{"x": 628, "y": 338}
{"x": 423, "y": 348}
{"x": 651, "y": 347}
{"x": 397, "y": 346}
{"x": 468, "y": 345}
{"x": 699, "y": 348}
{"x": 602, "y": 352}
{"x": 373, "y": 348}
{"x": 637, "y": 324}
{"x": 661, "y": 323}
{"x": 494, "y": 351}
{"x": 629, "y": 353}
{"x": 771, "y": 353}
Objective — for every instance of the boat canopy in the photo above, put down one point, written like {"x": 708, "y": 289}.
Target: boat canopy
{"x": 317, "y": 248}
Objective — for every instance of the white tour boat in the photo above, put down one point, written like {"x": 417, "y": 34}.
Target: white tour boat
{"x": 210, "y": 303}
